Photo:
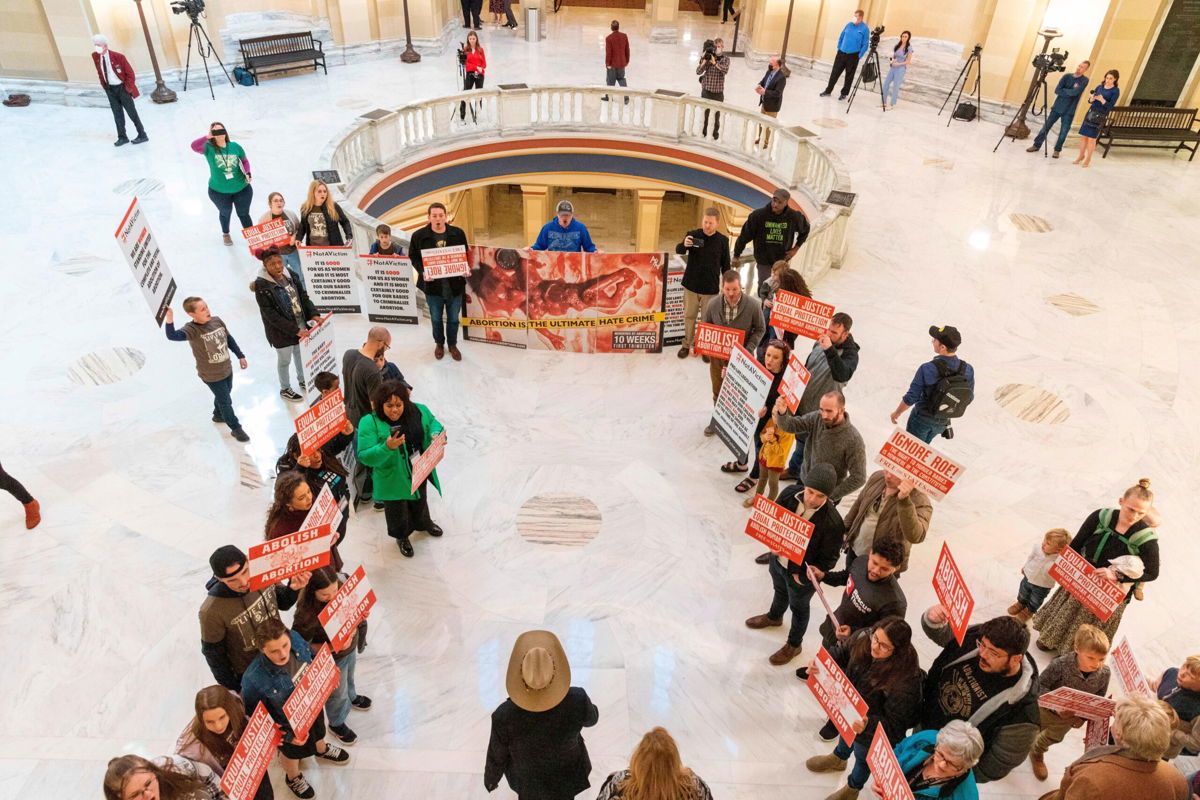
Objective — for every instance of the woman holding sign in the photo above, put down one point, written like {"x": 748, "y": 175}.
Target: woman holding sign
{"x": 1106, "y": 534}
{"x": 228, "y": 177}
{"x": 213, "y": 734}
{"x": 293, "y": 500}
{"x": 775, "y": 359}
{"x": 286, "y": 312}
{"x": 389, "y": 438}
{"x": 321, "y": 469}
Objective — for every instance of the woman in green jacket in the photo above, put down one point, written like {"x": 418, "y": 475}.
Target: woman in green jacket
{"x": 228, "y": 176}
{"x": 394, "y": 433}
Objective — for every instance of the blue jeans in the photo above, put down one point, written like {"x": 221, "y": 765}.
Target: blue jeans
{"x": 797, "y": 459}
{"x": 337, "y": 707}
{"x": 222, "y": 402}
{"x": 225, "y": 203}
{"x": 1031, "y": 596}
{"x": 451, "y": 309}
{"x": 860, "y": 772}
{"x": 793, "y": 595}
{"x": 891, "y": 84}
{"x": 925, "y": 428}
{"x": 1063, "y": 129}
{"x": 292, "y": 261}
{"x": 282, "y": 356}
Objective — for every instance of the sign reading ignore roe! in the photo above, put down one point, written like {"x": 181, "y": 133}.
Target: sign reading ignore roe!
{"x": 908, "y": 457}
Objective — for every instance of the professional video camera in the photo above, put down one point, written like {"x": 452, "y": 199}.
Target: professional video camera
{"x": 708, "y": 50}
{"x": 1053, "y": 61}
{"x": 462, "y": 54}
{"x": 193, "y": 8}
{"x": 875, "y": 33}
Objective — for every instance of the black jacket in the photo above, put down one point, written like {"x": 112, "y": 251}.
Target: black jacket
{"x": 335, "y": 229}
{"x": 766, "y": 238}
{"x": 214, "y": 652}
{"x": 896, "y": 710}
{"x": 705, "y": 264}
{"x": 279, "y": 321}
{"x": 772, "y": 98}
{"x": 424, "y": 239}
{"x": 541, "y": 753}
{"x": 826, "y": 542}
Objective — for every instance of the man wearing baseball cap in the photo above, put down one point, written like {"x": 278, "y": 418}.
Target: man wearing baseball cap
{"x": 776, "y": 230}
{"x": 940, "y": 390}
{"x": 564, "y": 233}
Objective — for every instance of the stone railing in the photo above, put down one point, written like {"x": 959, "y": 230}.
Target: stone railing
{"x": 382, "y": 140}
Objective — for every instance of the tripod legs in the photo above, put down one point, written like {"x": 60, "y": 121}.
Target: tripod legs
{"x": 872, "y": 58}
{"x": 960, "y": 83}
{"x": 198, "y": 38}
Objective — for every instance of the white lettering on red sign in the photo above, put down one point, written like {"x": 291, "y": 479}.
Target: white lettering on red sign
{"x": 952, "y": 593}
{"x": 908, "y": 457}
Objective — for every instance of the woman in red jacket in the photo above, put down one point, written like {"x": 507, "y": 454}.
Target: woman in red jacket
{"x": 474, "y": 63}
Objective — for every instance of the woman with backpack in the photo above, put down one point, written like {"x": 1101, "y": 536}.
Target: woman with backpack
{"x": 884, "y": 668}
{"x": 1106, "y": 534}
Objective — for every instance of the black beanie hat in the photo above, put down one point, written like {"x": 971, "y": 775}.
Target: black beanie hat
{"x": 225, "y": 557}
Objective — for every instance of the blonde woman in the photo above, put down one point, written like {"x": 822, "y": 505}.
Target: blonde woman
{"x": 322, "y": 221}
{"x": 655, "y": 773}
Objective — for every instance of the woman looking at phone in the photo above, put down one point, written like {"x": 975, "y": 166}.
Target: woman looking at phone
{"x": 395, "y": 432}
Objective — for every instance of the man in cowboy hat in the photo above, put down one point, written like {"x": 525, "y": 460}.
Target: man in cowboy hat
{"x": 536, "y": 733}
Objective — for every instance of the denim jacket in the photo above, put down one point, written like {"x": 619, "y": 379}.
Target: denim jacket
{"x": 272, "y": 685}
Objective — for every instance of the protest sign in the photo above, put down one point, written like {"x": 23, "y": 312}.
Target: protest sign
{"x": 1098, "y": 594}
{"x": 779, "y": 529}
{"x": 799, "y": 314}
{"x": 833, "y": 690}
{"x": 318, "y": 681}
{"x": 140, "y": 248}
{"x": 1096, "y": 734}
{"x": 250, "y": 758}
{"x": 908, "y": 457}
{"x": 322, "y": 422}
{"x": 795, "y": 378}
{"x": 275, "y": 560}
{"x": 325, "y": 512}
{"x": 1064, "y": 699}
{"x": 812, "y": 578}
{"x": 715, "y": 341}
{"x": 317, "y": 355}
{"x": 269, "y": 234}
{"x": 422, "y": 465}
{"x": 885, "y": 769}
{"x": 672, "y": 327}
{"x": 389, "y": 290}
{"x": 349, "y": 606}
{"x": 1130, "y": 675}
{"x": 743, "y": 393}
{"x": 952, "y": 593}
{"x": 445, "y": 262}
{"x": 329, "y": 278}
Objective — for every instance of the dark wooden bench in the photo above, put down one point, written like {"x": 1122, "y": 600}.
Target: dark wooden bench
{"x": 266, "y": 54}
{"x": 1164, "y": 125}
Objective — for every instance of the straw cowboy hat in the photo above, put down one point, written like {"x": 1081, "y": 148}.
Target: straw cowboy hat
{"x": 538, "y": 673}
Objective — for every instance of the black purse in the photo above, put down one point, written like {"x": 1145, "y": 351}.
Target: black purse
{"x": 1095, "y": 116}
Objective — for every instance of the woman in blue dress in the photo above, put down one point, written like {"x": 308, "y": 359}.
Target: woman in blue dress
{"x": 901, "y": 58}
{"x": 1102, "y": 98}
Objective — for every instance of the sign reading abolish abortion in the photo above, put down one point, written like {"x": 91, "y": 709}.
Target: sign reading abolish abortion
{"x": 349, "y": 606}
{"x": 799, "y": 314}
{"x": 317, "y": 683}
{"x": 743, "y": 393}
{"x": 1098, "y": 594}
{"x": 885, "y": 769}
{"x": 779, "y": 529}
{"x": 908, "y": 457}
{"x": 141, "y": 251}
{"x": 833, "y": 690}
{"x": 317, "y": 355}
{"x": 795, "y": 378}
{"x": 329, "y": 278}
{"x": 250, "y": 758}
{"x": 388, "y": 289}
{"x": 717, "y": 341}
{"x": 279, "y": 559}
{"x": 952, "y": 593}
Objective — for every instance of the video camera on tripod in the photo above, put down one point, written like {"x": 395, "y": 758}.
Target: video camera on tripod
{"x": 193, "y": 8}
{"x": 462, "y": 56}
{"x": 1053, "y": 61}
{"x": 875, "y": 34}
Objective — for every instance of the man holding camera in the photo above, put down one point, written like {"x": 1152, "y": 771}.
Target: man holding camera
{"x": 117, "y": 78}
{"x": 1066, "y": 97}
{"x": 852, "y": 45}
{"x": 707, "y": 251}
{"x": 713, "y": 66}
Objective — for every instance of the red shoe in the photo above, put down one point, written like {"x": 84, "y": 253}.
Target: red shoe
{"x": 33, "y": 514}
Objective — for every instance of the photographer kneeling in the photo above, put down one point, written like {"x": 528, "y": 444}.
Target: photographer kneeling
{"x": 472, "y": 62}
{"x": 713, "y": 66}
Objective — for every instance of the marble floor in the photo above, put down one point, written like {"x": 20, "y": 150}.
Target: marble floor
{"x": 1073, "y": 288}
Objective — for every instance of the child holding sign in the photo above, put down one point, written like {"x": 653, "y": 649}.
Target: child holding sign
{"x": 1083, "y": 670}
{"x": 211, "y": 343}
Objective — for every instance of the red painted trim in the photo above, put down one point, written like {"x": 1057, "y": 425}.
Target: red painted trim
{"x": 128, "y": 211}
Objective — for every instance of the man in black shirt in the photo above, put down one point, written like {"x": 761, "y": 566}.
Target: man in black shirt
{"x": 776, "y": 230}
{"x": 443, "y": 295}
{"x": 707, "y": 251}
{"x": 360, "y": 376}
{"x": 872, "y": 591}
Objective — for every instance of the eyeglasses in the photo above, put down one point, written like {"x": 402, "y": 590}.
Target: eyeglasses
{"x": 948, "y": 762}
{"x": 131, "y": 793}
{"x": 992, "y": 653}
{"x": 886, "y": 647}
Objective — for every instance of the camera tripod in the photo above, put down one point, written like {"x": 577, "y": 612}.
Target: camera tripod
{"x": 960, "y": 83}
{"x": 463, "y": 105}
{"x": 198, "y": 38}
{"x": 1017, "y": 129}
{"x": 872, "y": 59}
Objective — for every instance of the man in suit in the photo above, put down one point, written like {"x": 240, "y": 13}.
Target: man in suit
{"x": 117, "y": 78}
{"x": 770, "y": 95}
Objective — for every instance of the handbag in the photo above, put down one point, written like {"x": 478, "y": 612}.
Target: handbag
{"x": 1095, "y": 117}
{"x": 869, "y": 73}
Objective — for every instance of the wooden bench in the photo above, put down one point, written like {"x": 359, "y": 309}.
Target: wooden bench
{"x": 267, "y": 54}
{"x": 1165, "y": 125}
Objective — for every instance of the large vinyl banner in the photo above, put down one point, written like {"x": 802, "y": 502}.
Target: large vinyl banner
{"x": 573, "y": 302}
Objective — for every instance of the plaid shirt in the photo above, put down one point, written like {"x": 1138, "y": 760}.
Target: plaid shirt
{"x": 712, "y": 76}
{"x": 730, "y": 312}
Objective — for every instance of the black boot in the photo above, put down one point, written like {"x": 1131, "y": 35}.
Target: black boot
{"x": 405, "y": 546}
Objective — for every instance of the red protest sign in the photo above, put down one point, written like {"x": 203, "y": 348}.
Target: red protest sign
{"x": 348, "y": 607}
{"x": 445, "y": 262}
{"x": 251, "y": 756}
{"x": 812, "y": 578}
{"x": 319, "y": 424}
{"x": 795, "y": 378}
{"x": 1098, "y": 594}
{"x": 799, "y": 314}
{"x": 907, "y": 456}
{"x": 1096, "y": 734}
{"x": 1130, "y": 675}
{"x": 422, "y": 465}
{"x": 1064, "y": 699}
{"x": 324, "y": 512}
{"x": 952, "y": 593}
{"x": 268, "y": 234}
{"x": 836, "y": 694}
{"x": 715, "y": 341}
{"x": 885, "y": 769}
{"x": 302, "y": 551}
{"x": 316, "y": 684}
{"x": 779, "y": 529}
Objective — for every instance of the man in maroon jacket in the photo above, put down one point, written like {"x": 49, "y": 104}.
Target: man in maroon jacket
{"x": 116, "y": 76}
{"x": 616, "y": 56}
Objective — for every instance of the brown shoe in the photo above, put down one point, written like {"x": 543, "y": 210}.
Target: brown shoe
{"x": 1057, "y": 153}
{"x": 455, "y": 353}
{"x": 784, "y": 654}
{"x": 1039, "y": 766}
{"x": 1138, "y": 594}
{"x": 763, "y": 621}
{"x": 1033, "y": 148}
{"x": 33, "y": 515}
{"x": 1015, "y": 609}
{"x": 829, "y": 763}
{"x": 439, "y": 352}
{"x": 1024, "y": 615}
{"x": 846, "y": 792}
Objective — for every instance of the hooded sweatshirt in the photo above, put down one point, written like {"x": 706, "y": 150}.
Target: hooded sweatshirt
{"x": 828, "y": 370}
{"x": 284, "y": 307}
{"x": 839, "y": 446}
{"x": 227, "y": 623}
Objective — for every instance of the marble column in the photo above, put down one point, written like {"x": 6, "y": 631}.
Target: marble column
{"x": 648, "y": 219}
{"x": 664, "y": 22}
{"x": 535, "y": 205}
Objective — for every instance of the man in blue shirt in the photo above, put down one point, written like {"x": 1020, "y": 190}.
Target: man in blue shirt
{"x": 852, "y": 45}
{"x": 922, "y": 422}
{"x": 1067, "y": 93}
{"x": 564, "y": 233}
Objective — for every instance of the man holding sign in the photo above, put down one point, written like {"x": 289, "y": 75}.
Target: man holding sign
{"x": 443, "y": 295}
{"x": 733, "y": 308}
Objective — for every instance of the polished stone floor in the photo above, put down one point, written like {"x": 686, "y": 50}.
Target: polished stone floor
{"x": 1073, "y": 288}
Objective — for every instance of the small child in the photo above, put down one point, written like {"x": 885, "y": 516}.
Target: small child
{"x": 772, "y": 459}
{"x": 326, "y": 383}
{"x": 383, "y": 244}
{"x": 211, "y": 342}
{"x": 1083, "y": 670}
{"x": 1036, "y": 582}
{"x": 388, "y": 371}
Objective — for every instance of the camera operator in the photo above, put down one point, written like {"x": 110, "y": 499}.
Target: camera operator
{"x": 852, "y": 45}
{"x": 473, "y": 63}
{"x": 116, "y": 76}
{"x": 1066, "y": 97}
{"x": 713, "y": 66}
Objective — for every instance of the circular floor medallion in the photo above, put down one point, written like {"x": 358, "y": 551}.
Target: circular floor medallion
{"x": 558, "y": 519}
{"x": 110, "y": 365}
{"x": 1031, "y": 404}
